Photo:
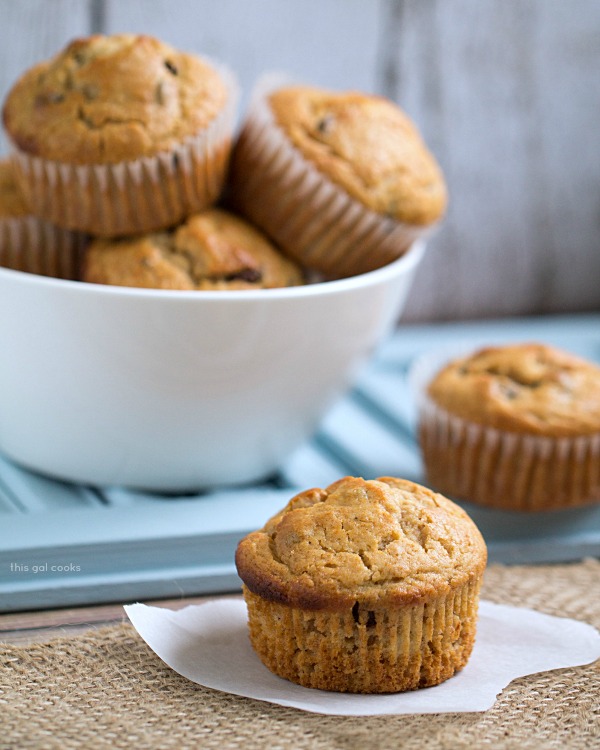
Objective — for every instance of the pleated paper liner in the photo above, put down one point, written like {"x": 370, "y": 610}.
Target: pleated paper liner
{"x": 137, "y": 196}
{"x": 35, "y": 246}
{"x": 311, "y": 218}
{"x": 500, "y": 469}
{"x": 380, "y": 650}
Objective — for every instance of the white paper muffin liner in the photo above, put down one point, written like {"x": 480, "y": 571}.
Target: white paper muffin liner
{"x": 35, "y": 246}
{"x": 311, "y": 218}
{"x": 501, "y": 469}
{"x": 142, "y": 195}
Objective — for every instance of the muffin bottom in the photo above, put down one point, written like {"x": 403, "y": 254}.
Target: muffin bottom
{"x": 507, "y": 471}
{"x": 362, "y": 650}
{"x": 32, "y": 245}
{"x": 128, "y": 198}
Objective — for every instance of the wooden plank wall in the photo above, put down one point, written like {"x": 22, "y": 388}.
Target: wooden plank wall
{"x": 506, "y": 92}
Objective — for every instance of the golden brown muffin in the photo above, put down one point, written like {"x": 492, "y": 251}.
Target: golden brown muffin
{"x": 366, "y": 586}
{"x": 120, "y": 134}
{"x": 367, "y": 146}
{"x": 110, "y": 99}
{"x": 514, "y": 427}
{"x": 213, "y": 250}
{"x": 31, "y": 244}
{"x": 342, "y": 181}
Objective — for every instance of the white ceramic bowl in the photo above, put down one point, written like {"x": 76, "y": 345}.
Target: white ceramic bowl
{"x": 175, "y": 391}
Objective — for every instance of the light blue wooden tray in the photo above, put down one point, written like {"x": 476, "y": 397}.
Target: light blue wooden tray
{"x": 63, "y": 544}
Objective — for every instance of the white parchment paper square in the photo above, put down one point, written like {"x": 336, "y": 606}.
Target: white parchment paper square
{"x": 208, "y": 644}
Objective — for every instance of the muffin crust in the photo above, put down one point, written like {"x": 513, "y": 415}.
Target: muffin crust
{"x": 366, "y": 145}
{"x": 385, "y": 542}
{"x": 212, "y": 250}
{"x": 106, "y": 99}
{"x": 524, "y": 388}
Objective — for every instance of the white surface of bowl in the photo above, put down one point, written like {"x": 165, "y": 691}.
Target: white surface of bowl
{"x": 173, "y": 390}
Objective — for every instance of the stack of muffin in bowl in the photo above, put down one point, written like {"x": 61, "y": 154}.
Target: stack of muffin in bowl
{"x": 126, "y": 171}
{"x": 121, "y": 143}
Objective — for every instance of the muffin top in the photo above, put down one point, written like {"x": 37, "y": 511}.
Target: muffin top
{"x": 12, "y": 204}
{"x": 367, "y": 146}
{"x": 106, "y": 99}
{"x": 378, "y": 542}
{"x": 212, "y": 250}
{"x": 524, "y": 388}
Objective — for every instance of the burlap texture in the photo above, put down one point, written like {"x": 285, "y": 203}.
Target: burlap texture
{"x": 106, "y": 689}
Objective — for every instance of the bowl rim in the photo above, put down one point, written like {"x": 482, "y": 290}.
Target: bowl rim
{"x": 392, "y": 270}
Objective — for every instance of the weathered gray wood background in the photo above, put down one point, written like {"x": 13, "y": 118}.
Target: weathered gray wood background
{"x": 506, "y": 92}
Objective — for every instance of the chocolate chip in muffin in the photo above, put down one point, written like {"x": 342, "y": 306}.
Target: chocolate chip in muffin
{"x": 90, "y": 91}
{"x": 79, "y": 57}
{"x": 508, "y": 390}
{"x": 251, "y": 275}
{"x": 49, "y": 97}
{"x": 325, "y": 124}
{"x": 171, "y": 67}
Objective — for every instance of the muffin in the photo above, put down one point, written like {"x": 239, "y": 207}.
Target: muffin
{"x": 364, "y": 587}
{"x": 514, "y": 427}
{"x": 31, "y": 244}
{"x": 342, "y": 181}
{"x": 120, "y": 135}
{"x": 212, "y": 250}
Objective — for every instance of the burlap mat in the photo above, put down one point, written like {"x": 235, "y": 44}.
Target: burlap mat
{"x": 106, "y": 689}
